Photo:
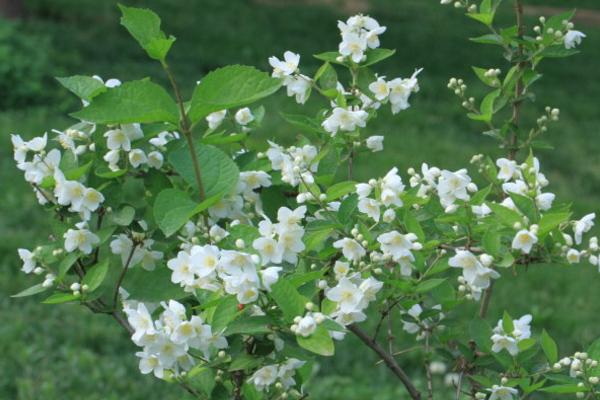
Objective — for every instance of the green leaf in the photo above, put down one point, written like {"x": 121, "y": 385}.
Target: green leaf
{"x": 244, "y": 361}
{"x": 594, "y": 353}
{"x": 59, "y": 298}
{"x": 95, "y": 276}
{"x": 377, "y": 55}
{"x": 66, "y": 263}
{"x": 481, "y": 332}
{"x": 173, "y": 208}
{"x": 329, "y": 56}
{"x": 348, "y": 208}
{"x": 549, "y": 347}
{"x": 84, "y": 87}
{"x": 428, "y": 285}
{"x": 413, "y": 225}
{"x": 340, "y": 189}
{"x": 505, "y": 215}
{"x": 144, "y": 26}
{"x": 302, "y": 122}
{"x": 124, "y": 216}
{"x": 488, "y": 39}
{"x": 250, "y": 326}
{"x": 152, "y": 286}
{"x": 571, "y": 388}
{"x": 327, "y": 77}
{"x": 288, "y": 299}
{"x": 550, "y": 221}
{"x": 225, "y": 312}
{"x": 229, "y": 87}
{"x": 507, "y": 323}
{"x": 525, "y": 205}
{"x": 491, "y": 242}
{"x": 218, "y": 171}
{"x": 319, "y": 342}
{"x": 35, "y": 289}
{"x": 138, "y": 101}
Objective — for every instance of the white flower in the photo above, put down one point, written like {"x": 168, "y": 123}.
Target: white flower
{"x": 346, "y": 294}
{"x": 269, "y": 249}
{"x": 149, "y": 363}
{"x": 400, "y": 91}
{"x": 345, "y": 120}
{"x": 391, "y": 188}
{"x": 452, "y": 186}
{"x": 370, "y": 207}
{"x": 298, "y": 86}
{"x": 363, "y": 190}
{"x": 290, "y": 218}
{"x": 264, "y": 377}
{"x": 502, "y": 393}
{"x": 353, "y": 46}
{"x": 306, "y": 326}
{"x": 504, "y": 342}
{"x": 341, "y": 269}
{"x": 183, "y": 272}
{"x": 518, "y": 187}
{"x": 507, "y": 169}
{"x": 215, "y": 119}
{"x": 81, "y": 239}
{"x": 254, "y": 179}
{"x": 112, "y": 158}
{"x": 205, "y": 260}
{"x": 370, "y": 287}
{"x": 21, "y": 147}
{"x": 287, "y": 370}
{"x": 28, "y": 259}
{"x": 524, "y": 241}
{"x": 244, "y": 116}
{"x": 375, "y": 143}
{"x": 351, "y": 249}
{"x": 285, "y": 67}
{"x": 573, "y": 256}
{"x": 380, "y": 89}
{"x": 137, "y": 157}
{"x": 573, "y": 39}
{"x": 141, "y": 321}
{"x": 92, "y": 199}
{"x": 117, "y": 139}
{"x": 544, "y": 200}
{"x": 270, "y": 276}
{"x": 397, "y": 245}
{"x": 583, "y": 225}
{"x": 155, "y": 159}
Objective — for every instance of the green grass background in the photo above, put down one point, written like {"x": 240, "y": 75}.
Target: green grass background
{"x": 50, "y": 352}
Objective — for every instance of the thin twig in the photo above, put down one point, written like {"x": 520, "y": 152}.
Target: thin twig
{"x": 388, "y": 360}
{"x": 122, "y": 276}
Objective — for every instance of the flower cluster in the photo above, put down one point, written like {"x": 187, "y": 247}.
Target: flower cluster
{"x": 476, "y": 271}
{"x": 119, "y": 142}
{"x": 280, "y": 375}
{"x": 509, "y": 341}
{"x": 168, "y": 340}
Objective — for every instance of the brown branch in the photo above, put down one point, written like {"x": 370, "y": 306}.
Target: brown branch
{"x": 387, "y": 359}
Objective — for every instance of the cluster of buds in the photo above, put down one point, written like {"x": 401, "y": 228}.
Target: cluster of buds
{"x": 78, "y": 289}
{"x": 581, "y": 366}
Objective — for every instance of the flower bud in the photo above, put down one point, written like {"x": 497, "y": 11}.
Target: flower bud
{"x": 240, "y": 244}
{"x": 309, "y": 306}
{"x": 322, "y": 284}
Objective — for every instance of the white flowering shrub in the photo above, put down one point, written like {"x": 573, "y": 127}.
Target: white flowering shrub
{"x": 234, "y": 268}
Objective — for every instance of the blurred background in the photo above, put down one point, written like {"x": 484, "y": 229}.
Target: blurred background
{"x": 50, "y": 352}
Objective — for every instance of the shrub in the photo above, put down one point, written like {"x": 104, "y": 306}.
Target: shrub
{"x": 233, "y": 268}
